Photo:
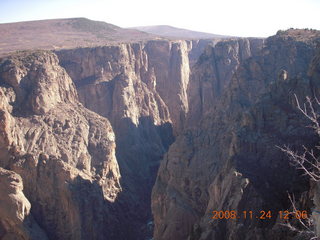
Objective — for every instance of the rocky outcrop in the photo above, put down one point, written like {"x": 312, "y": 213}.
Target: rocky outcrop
{"x": 64, "y": 153}
{"x": 153, "y": 76}
{"x": 213, "y": 72}
{"x": 158, "y": 68}
{"x": 229, "y": 161}
{"x": 14, "y": 205}
{"x": 16, "y": 221}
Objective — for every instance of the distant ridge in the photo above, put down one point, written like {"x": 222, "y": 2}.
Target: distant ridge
{"x": 177, "y": 33}
{"x": 63, "y": 33}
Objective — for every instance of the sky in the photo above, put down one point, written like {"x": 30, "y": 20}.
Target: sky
{"x": 244, "y": 18}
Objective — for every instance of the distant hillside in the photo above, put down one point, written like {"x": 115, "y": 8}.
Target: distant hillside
{"x": 177, "y": 33}
{"x": 63, "y": 33}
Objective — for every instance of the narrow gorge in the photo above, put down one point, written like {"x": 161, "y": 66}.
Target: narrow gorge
{"x": 144, "y": 139}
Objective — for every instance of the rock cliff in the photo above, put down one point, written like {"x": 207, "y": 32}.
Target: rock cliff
{"x": 229, "y": 161}
{"x": 140, "y": 87}
{"x": 212, "y": 111}
{"x": 64, "y": 153}
{"x": 16, "y": 221}
{"x": 159, "y": 69}
{"x": 213, "y": 72}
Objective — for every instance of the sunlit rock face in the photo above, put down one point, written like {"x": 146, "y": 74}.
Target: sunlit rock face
{"x": 14, "y": 207}
{"x": 64, "y": 153}
{"x": 135, "y": 80}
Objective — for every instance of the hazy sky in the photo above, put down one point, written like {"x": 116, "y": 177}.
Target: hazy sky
{"x": 230, "y": 17}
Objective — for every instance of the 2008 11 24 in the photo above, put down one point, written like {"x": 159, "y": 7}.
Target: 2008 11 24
{"x": 258, "y": 215}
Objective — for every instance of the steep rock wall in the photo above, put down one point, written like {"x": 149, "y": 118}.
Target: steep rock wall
{"x": 213, "y": 72}
{"x": 64, "y": 153}
{"x": 230, "y": 160}
{"x": 158, "y": 68}
{"x": 142, "y": 89}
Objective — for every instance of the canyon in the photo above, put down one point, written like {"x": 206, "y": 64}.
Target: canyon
{"x": 143, "y": 137}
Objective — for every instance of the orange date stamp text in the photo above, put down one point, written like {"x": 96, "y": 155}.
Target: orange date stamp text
{"x": 262, "y": 215}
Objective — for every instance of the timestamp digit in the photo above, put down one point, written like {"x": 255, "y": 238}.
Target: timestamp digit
{"x": 233, "y": 214}
{"x": 245, "y": 214}
{"x": 227, "y": 214}
{"x": 304, "y": 214}
{"x": 265, "y": 214}
{"x": 301, "y": 214}
{"x": 215, "y": 213}
{"x": 298, "y": 214}
{"x": 268, "y": 215}
{"x": 284, "y": 215}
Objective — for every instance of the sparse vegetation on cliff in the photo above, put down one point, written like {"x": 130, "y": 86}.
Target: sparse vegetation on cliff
{"x": 309, "y": 162}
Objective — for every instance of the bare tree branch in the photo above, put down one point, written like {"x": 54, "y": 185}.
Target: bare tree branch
{"x": 309, "y": 111}
{"x": 306, "y": 226}
{"x": 307, "y": 161}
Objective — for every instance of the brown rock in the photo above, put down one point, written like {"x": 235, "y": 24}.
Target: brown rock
{"x": 229, "y": 160}
{"x": 60, "y": 149}
{"x": 142, "y": 89}
{"x": 14, "y": 206}
{"x": 213, "y": 73}
{"x": 159, "y": 69}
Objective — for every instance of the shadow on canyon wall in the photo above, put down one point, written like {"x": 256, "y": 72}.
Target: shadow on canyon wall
{"x": 139, "y": 150}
